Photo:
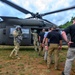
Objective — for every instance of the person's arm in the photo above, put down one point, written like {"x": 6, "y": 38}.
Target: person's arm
{"x": 47, "y": 38}
{"x": 39, "y": 38}
{"x": 32, "y": 33}
{"x": 45, "y": 35}
{"x": 60, "y": 45}
{"x": 46, "y": 42}
{"x": 66, "y": 39}
{"x": 15, "y": 34}
{"x": 44, "y": 39}
{"x": 65, "y": 36}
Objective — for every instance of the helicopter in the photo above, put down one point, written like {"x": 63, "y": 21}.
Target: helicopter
{"x": 7, "y": 24}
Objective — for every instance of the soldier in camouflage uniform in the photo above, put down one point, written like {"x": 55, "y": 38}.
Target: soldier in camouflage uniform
{"x": 35, "y": 40}
{"x": 17, "y": 34}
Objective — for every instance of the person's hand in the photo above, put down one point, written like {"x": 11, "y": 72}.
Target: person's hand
{"x": 46, "y": 47}
{"x": 43, "y": 44}
{"x": 60, "y": 48}
{"x": 69, "y": 43}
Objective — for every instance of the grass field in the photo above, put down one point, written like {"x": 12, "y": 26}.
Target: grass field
{"x": 30, "y": 63}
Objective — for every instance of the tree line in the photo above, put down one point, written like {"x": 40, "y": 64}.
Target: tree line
{"x": 68, "y": 23}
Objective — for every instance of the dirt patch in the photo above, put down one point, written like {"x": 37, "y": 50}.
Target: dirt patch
{"x": 29, "y": 64}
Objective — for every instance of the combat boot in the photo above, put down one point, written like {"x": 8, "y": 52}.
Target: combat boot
{"x": 17, "y": 57}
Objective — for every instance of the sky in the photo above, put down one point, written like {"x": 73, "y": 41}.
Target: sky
{"x": 41, "y": 6}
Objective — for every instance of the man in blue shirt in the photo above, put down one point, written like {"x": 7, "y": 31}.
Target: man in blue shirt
{"x": 45, "y": 49}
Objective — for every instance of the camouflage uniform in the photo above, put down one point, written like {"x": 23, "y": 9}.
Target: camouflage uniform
{"x": 17, "y": 34}
{"x": 35, "y": 40}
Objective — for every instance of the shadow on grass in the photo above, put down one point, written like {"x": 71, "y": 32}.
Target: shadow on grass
{"x": 26, "y": 48}
{"x": 29, "y": 48}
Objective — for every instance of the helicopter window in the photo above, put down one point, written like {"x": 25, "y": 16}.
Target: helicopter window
{"x": 11, "y": 30}
{"x": 24, "y": 31}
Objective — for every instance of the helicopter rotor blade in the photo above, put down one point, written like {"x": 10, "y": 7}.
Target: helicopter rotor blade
{"x": 6, "y": 17}
{"x": 56, "y": 11}
{"x": 9, "y": 17}
{"x": 35, "y": 15}
{"x": 17, "y": 7}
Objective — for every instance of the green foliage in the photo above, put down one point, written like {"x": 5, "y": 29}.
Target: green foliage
{"x": 66, "y": 24}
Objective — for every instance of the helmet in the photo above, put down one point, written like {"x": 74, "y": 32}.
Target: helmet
{"x": 35, "y": 31}
{"x": 18, "y": 27}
